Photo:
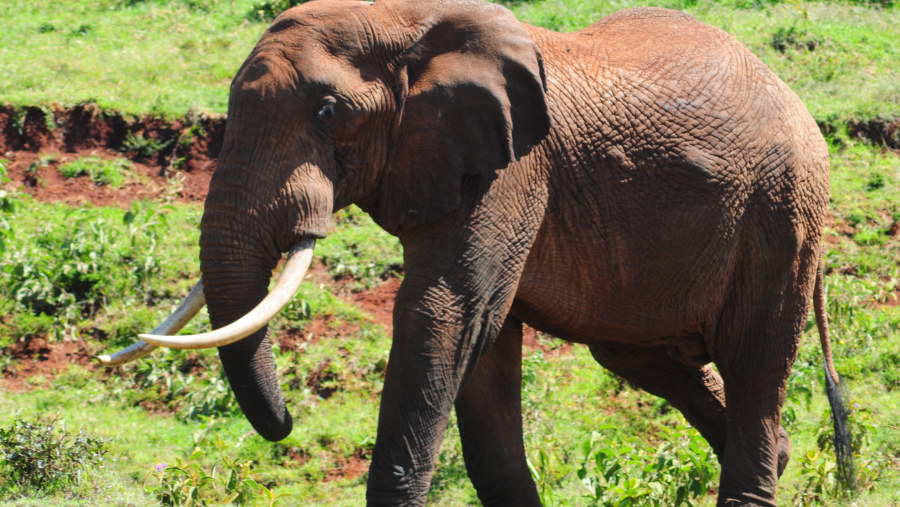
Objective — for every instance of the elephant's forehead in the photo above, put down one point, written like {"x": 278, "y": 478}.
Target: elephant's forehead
{"x": 319, "y": 44}
{"x": 339, "y": 28}
{"x": 302, "y": 63}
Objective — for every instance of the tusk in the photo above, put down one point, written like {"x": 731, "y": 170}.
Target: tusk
{"x": 280, "y": 295}
{"x": 191, "y": 305}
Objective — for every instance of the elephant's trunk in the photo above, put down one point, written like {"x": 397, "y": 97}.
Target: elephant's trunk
{"x": 234, "y": 282}
{"x": 236, "y": 259}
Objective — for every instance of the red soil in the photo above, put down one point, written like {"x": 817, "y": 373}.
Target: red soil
{"x": 27, "y": 139}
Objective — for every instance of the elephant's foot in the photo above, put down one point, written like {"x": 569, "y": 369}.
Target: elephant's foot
{"x": 743, "y": 500}
{"x": 735, "y": 502}
{"x": 784, "y": 450}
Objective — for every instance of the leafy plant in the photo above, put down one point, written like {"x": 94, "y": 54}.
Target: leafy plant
{"x": 39, "y": 457}
{"x": 8, "y": 203}
{"x": 629, "y": 471}
{"x": 792, "y": 38}
{"x": 188, "y": 482}
{"x": 360, "y": 250}
{"x": 69, "y": 265}
{"x": 44, "y": 160}
{"x": 101, "y": 171}
{"x": 267, "y": 10}
{"x": 145, "y": 147}
{"x": 187, "y": 384}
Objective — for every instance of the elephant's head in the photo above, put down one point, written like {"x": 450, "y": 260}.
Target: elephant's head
{"x": 387, "y": 105}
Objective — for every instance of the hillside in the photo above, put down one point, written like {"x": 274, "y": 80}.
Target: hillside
{"x": 112, "y": 114}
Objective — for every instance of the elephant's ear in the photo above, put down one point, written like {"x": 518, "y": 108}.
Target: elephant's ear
{"x": 471, "y": 91}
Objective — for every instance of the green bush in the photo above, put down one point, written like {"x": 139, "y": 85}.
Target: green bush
{"x": 8, "y": 203}
{"x": 69, "y": 266}
{"x": 39, "y": 458}
{"x": 631, "y": 471}
{"x": 145, "y": 147}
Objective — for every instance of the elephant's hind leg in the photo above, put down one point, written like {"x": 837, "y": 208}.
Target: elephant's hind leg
{"x": 693, "y": 389}
{"x": 754, "y": 346}
{"x": 489, "y": 415}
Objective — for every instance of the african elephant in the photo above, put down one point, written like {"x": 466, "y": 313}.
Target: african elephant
{"x": 645, "y": 186}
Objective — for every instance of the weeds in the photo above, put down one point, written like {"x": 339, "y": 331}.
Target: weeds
{"x": 39, "y": 458}
{"x": 9, "y": 201}
{"x": 360, "y": 250}
{"x": 44, "y": 160}
{"x": 267, "y": 10}
{"x": 144, "y": 147}
{"x": 188, "y": 385}
{"x": 629, "y": 471}
{"x": 189, "y": 482}
{"x": 792, "y": 38}
{"x": 74, "y": 260}
{"x": 112, "y": 172}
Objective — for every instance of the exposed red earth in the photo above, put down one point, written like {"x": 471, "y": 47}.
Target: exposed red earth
{"x": 36, "y": 141}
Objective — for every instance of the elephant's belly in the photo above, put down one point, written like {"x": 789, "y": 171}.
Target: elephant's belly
{"x": 571, "y": 318}
{"x": 586, "y": 294}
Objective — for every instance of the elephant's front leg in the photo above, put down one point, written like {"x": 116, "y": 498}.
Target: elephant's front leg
{"x": 437, "y": 341}
{"x": 489, "y": 415}
{"x": 421, "y": 382}
{"x": 461, "y": 277}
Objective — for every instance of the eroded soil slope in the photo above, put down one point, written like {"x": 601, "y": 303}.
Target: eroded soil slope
{"x": 170, "y": 158}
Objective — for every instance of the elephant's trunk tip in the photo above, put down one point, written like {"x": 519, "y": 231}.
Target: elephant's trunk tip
{"x": 277, "y": 430}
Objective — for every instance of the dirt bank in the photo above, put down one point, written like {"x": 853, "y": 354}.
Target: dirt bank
{"x": 170, "y": 158}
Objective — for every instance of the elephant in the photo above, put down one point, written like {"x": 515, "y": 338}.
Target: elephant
{"x": 645, "y": 186}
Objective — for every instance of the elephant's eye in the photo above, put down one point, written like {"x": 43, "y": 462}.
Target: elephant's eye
{"x": 325, "y": 114}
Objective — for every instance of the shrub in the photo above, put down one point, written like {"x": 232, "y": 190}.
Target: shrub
{"x": 145, "y": 147}
{"x": 73, "y": 262}
{"x": 40, "y": 458}
{"x": 629, "y": 471}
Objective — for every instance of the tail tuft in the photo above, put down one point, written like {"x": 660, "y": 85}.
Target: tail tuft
{"x": 843, "y": 450}
{"x": 837, "y": 393}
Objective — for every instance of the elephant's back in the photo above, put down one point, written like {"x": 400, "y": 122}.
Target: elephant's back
{"x": 708, "y": 104}
{"x": 680, "y": 145}
{"x": 664, "y": 87}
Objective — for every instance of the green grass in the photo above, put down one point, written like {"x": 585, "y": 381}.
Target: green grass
{"x": 591, "y": 439}
{"x": 138, "y": 57}
{"x": 66, "y": 271}
{"x": 104, "y": 274}
{"x": 165, "y": 57}
{"x": 112, "y": 172}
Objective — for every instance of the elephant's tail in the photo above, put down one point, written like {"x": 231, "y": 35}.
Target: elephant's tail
{"x": 837, "y": 392}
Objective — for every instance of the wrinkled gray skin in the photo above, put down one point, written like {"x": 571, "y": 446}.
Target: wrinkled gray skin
{"x": 645, "y": 186}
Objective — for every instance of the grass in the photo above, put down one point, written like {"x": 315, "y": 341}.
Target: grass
{"x": 591, "y": 439}
{"x": 165, "y": 57}
{"x": 112, "y": 172}
{"x": 138, "y": 57}
{"x": 104, "y": 274}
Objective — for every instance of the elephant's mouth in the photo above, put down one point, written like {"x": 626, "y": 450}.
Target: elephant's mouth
{"x": 299, "y": 259}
